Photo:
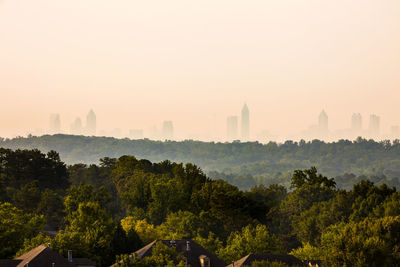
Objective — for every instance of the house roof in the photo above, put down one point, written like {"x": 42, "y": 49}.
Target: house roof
{"x": 146, "y": 250}
{"x": 43, "y": 256}
{"x": 193, "y": 255}
{"x": 249, "y": 259}
{"x": 9, "y": 263}
{"x": 83, "y": 262}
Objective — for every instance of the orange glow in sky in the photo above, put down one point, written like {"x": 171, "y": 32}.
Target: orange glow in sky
{"x": 137, "y": 63}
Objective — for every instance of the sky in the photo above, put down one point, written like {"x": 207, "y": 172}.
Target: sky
{"x": 138, "y": 63}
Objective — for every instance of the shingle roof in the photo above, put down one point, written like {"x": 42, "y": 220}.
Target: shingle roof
{"x": 146, "y": 250}
{"x": 9, "y": 263}
{"x": 192, "y": 256}
{"x": 249, "y": 259}
{"x": 83, "y": 262}
{"x": 43, "y": 256}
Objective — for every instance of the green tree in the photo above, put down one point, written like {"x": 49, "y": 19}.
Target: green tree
{"x": 29, "y": 244}
{"x": 90, "y": 232}
{"x": 268, "y": 264}
{"x": 390, "y": 207}
{"x": 85, "y": 193}
{"x": 52, "y": 207}
{"x": 125, "y": 241}
{"x": 20, "y": 167}
{"x": 272, "y": 196}
{"x": 367, "y": 197}
{"x": 371, "y": 242}
{"x": 212, "y": 243}
{"x": 311, "y": 177}
{"x": 179, "y": 225}
{"x": 146, "y": 232}
{"x": 162, "y": 256}
{"x": 251, "y": 239}
{"x": 308, "y": 252}
{"x": 228, "y": 206}
{"x": 93, "y": 174}
{"x": 15, "y": 227}
{"x": 309, "y": 225}
{"x": 167, "y": 195}
{"x": 28, "y": 197}
{"x": 309, "y": 188}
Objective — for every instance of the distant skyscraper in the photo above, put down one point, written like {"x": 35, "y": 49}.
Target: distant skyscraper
{"x": 168, "y": 130}
{"x": 245, "y": 123}
{"x": 91, "y": 123}
{"x": 374, "y": 125}
{"x": 232, "y": 127}
{"x": 55, "y": 123}
{"x": 323, "y": 121}
{"x": 76, "y": 126}
{"x": 356, "y": 122}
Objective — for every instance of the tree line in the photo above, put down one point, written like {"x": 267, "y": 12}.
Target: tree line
{"x": 242, "y": 164}
{"x": 105, "y": 211}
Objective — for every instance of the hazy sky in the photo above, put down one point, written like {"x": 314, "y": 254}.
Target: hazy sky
{"x": 137, "y": 63}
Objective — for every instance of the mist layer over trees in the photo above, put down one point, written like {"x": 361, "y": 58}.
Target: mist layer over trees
{"x": 242, "y": 164}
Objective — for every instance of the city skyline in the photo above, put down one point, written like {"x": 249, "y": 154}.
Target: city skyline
{"x": 199, "y": 133}
{"x": 236, "y": 128}
{"x": 286, "y": 59}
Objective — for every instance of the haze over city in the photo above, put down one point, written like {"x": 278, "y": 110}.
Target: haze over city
{"x": 140, "y": 64}
{"x": 211, "y": 133}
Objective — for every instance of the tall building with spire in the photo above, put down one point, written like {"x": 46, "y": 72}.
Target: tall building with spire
{"x": 323, "y": 121}
{"x": 245, "y": 123}
{"x": 91, "y": 123}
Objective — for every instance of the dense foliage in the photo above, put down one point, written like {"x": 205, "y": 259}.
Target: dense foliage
{"x": 162, "y": 256}
{"x": 242, "y": 164}
{"x": 107, "y": 210}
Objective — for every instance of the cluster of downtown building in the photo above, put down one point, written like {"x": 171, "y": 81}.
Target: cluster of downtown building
{"x": 372, "y": 130}
{"x": 77, "y": 126}
{"x": 232, "y": 126}
{"x": 237, "y": 129}
{"x": 318, "y": 131}
{"x": 90, "y": 128}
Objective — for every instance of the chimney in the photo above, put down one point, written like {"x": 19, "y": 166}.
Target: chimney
{"x": 48, "y": 245}
{"x": 187, "y": 245}
{"x": 69, "y": 255}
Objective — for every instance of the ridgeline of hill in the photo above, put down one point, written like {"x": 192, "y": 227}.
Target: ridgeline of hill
{"x": 243, "y": 164}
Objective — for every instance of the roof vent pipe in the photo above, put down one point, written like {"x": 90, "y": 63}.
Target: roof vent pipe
{"x": 70, "y": 255}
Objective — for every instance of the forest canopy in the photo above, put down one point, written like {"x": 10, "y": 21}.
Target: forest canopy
{"x": 242, "y": 164}
{"x": 105, "y": 211}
